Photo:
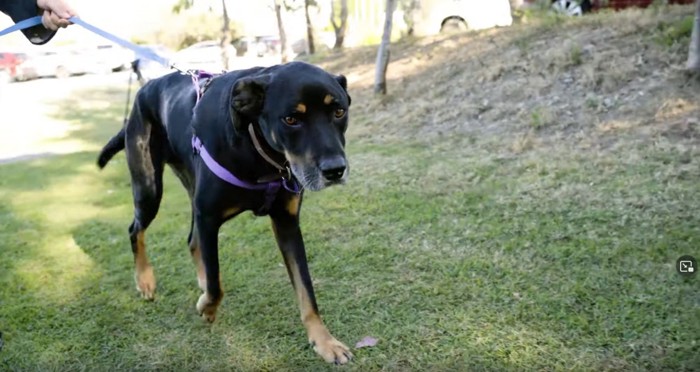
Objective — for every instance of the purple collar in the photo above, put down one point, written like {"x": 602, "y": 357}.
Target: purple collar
{"x": 271, "y": 187}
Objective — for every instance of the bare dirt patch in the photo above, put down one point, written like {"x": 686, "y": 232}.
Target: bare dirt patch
{"x": 586, "y": 80}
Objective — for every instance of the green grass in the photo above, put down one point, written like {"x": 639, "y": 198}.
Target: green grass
{"x": 455, "y": 251}
{"x": 452, "y": 259}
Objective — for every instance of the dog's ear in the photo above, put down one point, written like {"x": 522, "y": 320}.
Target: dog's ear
{"x": 344, "y": 84}
{"x": 249, "y": 94}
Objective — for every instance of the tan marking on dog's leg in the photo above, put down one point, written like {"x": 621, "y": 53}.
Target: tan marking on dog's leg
{"x": 197, "y": 258}
{"x": 301, "y": 108}
{"x": 144, "y": 277}
{"x": 328, "y": 99}
{"x": 323, "y": 343}
{"x": 207, "y": 306}
{"x": 293, "y": 205}
{"x": 146, "y": 164}
{"x": 231, "y": 212}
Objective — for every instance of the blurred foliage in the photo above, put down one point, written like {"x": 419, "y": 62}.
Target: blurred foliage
{"x": 675, "y": 32}
{"x": 186, "y": 28}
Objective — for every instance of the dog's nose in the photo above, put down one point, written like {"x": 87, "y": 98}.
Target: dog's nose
{"x": 333, "y": 168}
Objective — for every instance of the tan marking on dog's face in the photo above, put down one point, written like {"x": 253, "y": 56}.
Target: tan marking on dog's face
{"x": 301, "y": 108}
{"x": 328, "y": 99}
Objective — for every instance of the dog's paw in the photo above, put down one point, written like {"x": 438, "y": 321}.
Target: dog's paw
{"x": 146, "y": 283}
{"x": 331, "y": 350}
{"x": 206, "y": 308}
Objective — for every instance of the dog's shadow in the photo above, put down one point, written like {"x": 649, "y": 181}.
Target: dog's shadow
{"x": 248, "y": 313}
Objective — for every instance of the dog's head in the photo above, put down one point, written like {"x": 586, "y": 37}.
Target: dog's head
{"x": 302, "y": 111}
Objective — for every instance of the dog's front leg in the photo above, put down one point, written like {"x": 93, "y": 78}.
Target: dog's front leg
{"x": 285, "y": 224}
{"x": 208, "y": 234}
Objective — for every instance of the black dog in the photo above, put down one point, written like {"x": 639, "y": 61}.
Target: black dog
{"x": 253, "y": 141}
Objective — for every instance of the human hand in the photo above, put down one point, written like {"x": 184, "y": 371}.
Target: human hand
{"x": 56, "y": 13}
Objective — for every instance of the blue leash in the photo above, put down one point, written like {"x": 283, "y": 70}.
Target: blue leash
{"x": 29, "y": 22}
{"x": 139, "y": 50}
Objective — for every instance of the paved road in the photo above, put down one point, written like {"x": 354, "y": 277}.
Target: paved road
{"x": 27, "y": 115}
{"x": 28, "y": 121}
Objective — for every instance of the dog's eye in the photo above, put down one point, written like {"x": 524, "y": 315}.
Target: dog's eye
{"x": 339, "y": 113}
{"x": 290, "y": 120}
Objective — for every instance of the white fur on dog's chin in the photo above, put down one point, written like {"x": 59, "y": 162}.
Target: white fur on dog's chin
{"x": 311, "y": 178}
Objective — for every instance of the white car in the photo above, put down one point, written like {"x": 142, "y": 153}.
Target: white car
{"x": 205, "y": 55}
{"x": 434, "y": 16}
{"x": 106, "y": 58}
{"x": 151, "y": 69}
{"x": 60, "y": 63}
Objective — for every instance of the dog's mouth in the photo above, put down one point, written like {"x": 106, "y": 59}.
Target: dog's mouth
{"x": 313, "y": 179}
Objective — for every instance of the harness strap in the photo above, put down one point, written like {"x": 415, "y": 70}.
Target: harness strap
{"x": 220, "y": 171}
{"x": 196, "y": 80}
{"x": 271, "y": 188}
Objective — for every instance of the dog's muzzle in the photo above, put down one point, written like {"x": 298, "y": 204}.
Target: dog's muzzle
{"x": 333, "y": 169}
{"x": 329, "y": 171}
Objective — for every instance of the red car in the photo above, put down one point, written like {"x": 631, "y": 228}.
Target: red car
{"x": 578, "y": 7}
{"x": 12, "y": 67}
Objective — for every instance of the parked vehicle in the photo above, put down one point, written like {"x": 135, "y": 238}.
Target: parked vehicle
{"x": 59, "y": 63}
{"x": 205, "y": 55}
{"x": 268, "y": 46}
{"x": 259, "y": 46}
{"x": 14, "y": 68}
{"x": 151, "y": 69}
{"x": 105, "y": 58}
{"x": 435, "y": 16}
{"x": 579, "y": 7}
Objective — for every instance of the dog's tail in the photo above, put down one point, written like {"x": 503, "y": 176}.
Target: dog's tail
{"x": 112, "y": 147}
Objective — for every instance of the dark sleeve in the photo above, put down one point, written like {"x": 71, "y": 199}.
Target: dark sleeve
{"x": 20, "y": 10}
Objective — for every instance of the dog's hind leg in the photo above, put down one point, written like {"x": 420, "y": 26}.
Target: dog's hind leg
{"x": 145, "y": 157}
{"x": 285, "y": 224}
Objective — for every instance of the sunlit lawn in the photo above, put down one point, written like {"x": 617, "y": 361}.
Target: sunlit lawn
{"x": 456, "y": 254}
{"x": 514, "y": 264}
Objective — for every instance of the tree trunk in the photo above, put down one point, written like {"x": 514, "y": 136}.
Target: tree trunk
{"x": 311, "y": 48}
{"x": 694, "y": 50}
{"x": 383, "y": 53}
{"x": 225, "y": 38}
{"x": 409, "y": 16}
{"x": 284, "y": 49}
{"x": 342, "y": 27}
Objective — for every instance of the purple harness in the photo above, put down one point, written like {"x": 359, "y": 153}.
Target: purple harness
{"x": 271, "y": 188}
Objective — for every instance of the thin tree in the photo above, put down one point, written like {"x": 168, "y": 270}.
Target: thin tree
{"x": 181, "y": 5}
{"x": 341, "y": 26}
{"x": 309, "y": 27}
{"x": 410, "y": 7}
{"x": 225, "y": 38}
{"x": 283, "y": 34}
{"x": 383, "y": 53}
{"x": 693, "y": 63}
